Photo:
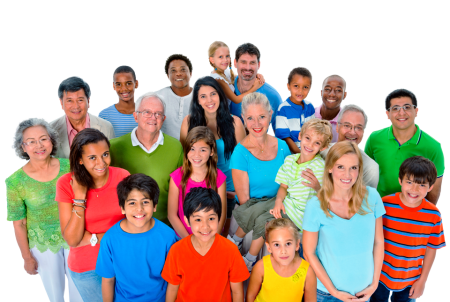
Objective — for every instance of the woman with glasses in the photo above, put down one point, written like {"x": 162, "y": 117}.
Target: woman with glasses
{"x": 32, "y": 207}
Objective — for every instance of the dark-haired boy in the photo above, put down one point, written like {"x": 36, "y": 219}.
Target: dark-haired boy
{"x": 413, "y": 232}
{"x": 133, "y": 251}
{"x": 204, "y": 265}
{"x": 120, "y": 115}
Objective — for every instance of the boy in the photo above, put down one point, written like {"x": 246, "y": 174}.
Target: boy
{"x": 296, "y": 188}
{"x": 412, "y": 232}
{"x": 133, "y": 252}
{"x": 296, "y": 111}
{"x": 120, "y": 115}
{"x": 204, "y": 265}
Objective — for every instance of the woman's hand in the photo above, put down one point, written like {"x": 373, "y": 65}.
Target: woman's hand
{"x": 366, "y": 293}
{"x": 79, "y": 191}
{"x": 276, "y": 211}
{"x": 344, "y": 296}
{"x": 31, "y": 265}
{"x": 308, "y": 174}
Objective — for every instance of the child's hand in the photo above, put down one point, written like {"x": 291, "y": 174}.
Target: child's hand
{"x": 260, "y": 78}
{"x": 308, "y": 174}
{"x": 276, "y": 211}
{"x": 344, "y": 296}
{"x": 365, "y": 294}
{"x": 417, "y": 289}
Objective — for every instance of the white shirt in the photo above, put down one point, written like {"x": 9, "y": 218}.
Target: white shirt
{"x": 136, "y": 142}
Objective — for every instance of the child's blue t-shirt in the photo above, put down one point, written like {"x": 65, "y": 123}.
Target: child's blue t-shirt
{"x": 122, "y": 123}
{"x": 136, "y": 260}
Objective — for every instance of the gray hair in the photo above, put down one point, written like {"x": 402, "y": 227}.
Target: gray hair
{"x": 352, "y": 108}
{"x": 146, "y": 96}
{"x": 255, "y": 98}
{"x": 33, "y": 122}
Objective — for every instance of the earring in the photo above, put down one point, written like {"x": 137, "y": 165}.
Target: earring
{"x": 215, "y": 68}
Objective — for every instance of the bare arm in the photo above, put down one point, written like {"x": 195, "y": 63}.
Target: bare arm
{"x": 108, "y": 289}
{"x": 237, "y": 98}
{"x": 292, "y": 146}
{"x": 279, "y": 206}
{"x": 21, "y": 232}
{"x": 418, "y": 287}
{"x": 172, "y": 210}
{"x": 310, "y": 294}
{"x": 72, "y": 226}
{"x": 184, "y": 129}
{"x": 171, "y": 292}
{"x": 237, "y": 291}
{"x": 222, "y": 190}
{"x": 433, "y": 195}
{"x": 239, "y": 129}
{"x": 241, "y": 185}
{"x": 256, "y": 279}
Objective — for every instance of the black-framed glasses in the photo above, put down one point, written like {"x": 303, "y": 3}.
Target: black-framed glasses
{"x": 157, "y": 115}
{"x": 349, "y": 127}
{"x": 34, "y": 143}
{"x": 407, "y": 107}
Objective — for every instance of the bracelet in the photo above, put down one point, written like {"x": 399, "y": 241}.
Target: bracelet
{"x": 79, "y": 205}
{"x": 79, "y": 200}
{"x": 75, "y": 211}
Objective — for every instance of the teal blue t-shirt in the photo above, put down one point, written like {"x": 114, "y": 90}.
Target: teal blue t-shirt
{"x": 224, "y": 164}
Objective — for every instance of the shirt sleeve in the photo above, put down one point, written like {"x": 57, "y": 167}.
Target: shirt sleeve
{"x": 286, "y": 150}
{"x": 169, "y": 272}
{"x": 282, "y": 130}
{"x": 239, "y": 271}
{"x": 221, "y": 177}
{"x": 64, "y": 192}
{"x": 438, "y": 161}
{"x": 375, "y": 199}
{"x": 104, "y": 265}
{"x": 16, "y": 207}
{"x": 176, "y": 176}
{"x": 368, "y": 148}
{"x": 437, "y": 239}
{"x": 103, "y": 115}
{"x": 311, "y": 221}
{"x": 239, "y": 160}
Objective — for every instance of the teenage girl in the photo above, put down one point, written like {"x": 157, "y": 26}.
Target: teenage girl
{"x": 283, "y": 275}
{"x": 199, "y": 170}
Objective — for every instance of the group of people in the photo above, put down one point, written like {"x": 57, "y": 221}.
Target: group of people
{"x": 182, "y": 193}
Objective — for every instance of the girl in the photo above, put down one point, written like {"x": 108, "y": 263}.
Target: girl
{"x": 199, "y": 170}
{"x": 220, "y": 60}
{"x": 282, "y": 275}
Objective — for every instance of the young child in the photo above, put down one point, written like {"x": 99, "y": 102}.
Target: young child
{"x": 133, "y": 252}
{"x": 205, "y": 265}
{"x": 297, "y": 186}
{"x": 199, "y": 170}
{"x": 120, "y": 115}
{"x": 296, "y": 111}
{"x": 413, "y": 232}
{"x": 283, "y": 275}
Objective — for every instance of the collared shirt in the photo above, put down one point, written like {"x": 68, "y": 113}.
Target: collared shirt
{"x": 333, "y": 123}
{"x": 71, "y": 132}
{"x": 136, "y": 142}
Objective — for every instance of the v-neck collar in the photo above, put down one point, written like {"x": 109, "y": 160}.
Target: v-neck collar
{"x": 208, "y": 253}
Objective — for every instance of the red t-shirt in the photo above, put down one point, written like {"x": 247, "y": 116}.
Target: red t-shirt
{"x": 102, "y": 212}
{"x": 204, "y": 278}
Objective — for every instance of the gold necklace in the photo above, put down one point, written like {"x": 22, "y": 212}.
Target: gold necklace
{"x": 261, "y": 149}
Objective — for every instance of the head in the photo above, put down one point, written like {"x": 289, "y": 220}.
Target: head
{"x": 74, "y": 94}
{"x": 179, "y": 71}
{"x": 352, "y": 121}
{"x": 315, "y": 136}
{"x": 257, "y": 113}
{"x": 89, "y": 156}
{"x": 333, "y": 92}
{"x": 299, "y": 84}
{"x": 247, "y": 61}
{"x": 220, "y": 59}
{"x": 138, "y": 197}
{"x": 150, "y": 113}
{"x": 203, "y": 209}
{"x": 124, "y": 83}
{"x": 282, "y": 240}
{"x": 35, "y": 139}
{"x": 401, "y": 108}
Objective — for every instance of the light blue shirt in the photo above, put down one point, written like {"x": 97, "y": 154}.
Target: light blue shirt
{"x": 122, "y": 123}
{"x": 224, "y": 164}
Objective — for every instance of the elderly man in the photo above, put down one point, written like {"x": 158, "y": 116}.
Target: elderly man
{"x": 148, "y": 150}
{"x": 74, "y": 94}
{"x": 390, "y": 146}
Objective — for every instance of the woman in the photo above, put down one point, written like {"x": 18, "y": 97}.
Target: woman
{"x": 255, "y": 163}
{"x": 209, "y": 108}
{"x": 32, "y": 208}
{"x": 343, "y": 229}
{"x": 88, "y": 207}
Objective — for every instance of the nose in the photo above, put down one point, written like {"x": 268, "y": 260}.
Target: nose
{"x": 416, "y": 187}
{"x": 332, "y": 92}
{"x": 140, "y": 207}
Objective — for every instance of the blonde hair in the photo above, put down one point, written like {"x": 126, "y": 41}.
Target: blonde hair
{"x": 321, "y": 127}
{"x": 359, "y": 191}
{"x": 282, "y": 223}
{"x": 211, "y": 51}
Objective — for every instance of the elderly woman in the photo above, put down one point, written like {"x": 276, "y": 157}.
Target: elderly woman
{"x": 255, "y": 163}
{"x": 343, "y": 229}
{"x": 32, "y": 208}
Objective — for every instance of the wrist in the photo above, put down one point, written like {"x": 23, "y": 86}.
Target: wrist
{"x": 27, "y": 257}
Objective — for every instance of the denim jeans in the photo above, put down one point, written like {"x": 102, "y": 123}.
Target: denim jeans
{"x": 382, "y": 295}
{"x": 326, "y": 297}
{"x": 89, "y": 285}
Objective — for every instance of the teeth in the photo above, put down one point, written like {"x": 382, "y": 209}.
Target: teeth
{"x": 331, "y": 101}
{"x": 345, "y": 181}
{"x": 350, "y": 138}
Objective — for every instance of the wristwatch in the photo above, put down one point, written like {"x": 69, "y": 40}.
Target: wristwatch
{"x": 94, "y": 240}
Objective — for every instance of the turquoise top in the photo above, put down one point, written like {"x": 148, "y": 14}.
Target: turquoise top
{"x": 223, "y": 164}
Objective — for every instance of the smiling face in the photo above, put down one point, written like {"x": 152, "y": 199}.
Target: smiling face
{"x": 209, "y": 99}
{"x": 247, "y": 67}
{"x": 204, "y": 225}
{"x": 355, "y": 121}
{"x": 150, "y": 124}
{"x": 139, "y": 211}
{"x": 96, "y": 159}
{"x": 199, "y": 154}
{"x": 282, "y": 245}
{"x": 221, "y": 59}
{"x": 299, "y": 88}
{"x": 333, "y": 92}
{"x": 257, "y": 120}
{"x": 125, "y": 85}
{"x": 75, "y": 105}
{"x": 179, "y": 74}
{"x": 345, "y": 171}
{"x": 413, "y": 193}
{"x": 311, "y": 143}
{"x": 37, "y": 143}
{"x": 402, "y": 120}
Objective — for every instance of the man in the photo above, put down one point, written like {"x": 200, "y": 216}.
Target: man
{"x": 389, "y": 147}
{"x": 333, "y": 92}
{"x": 148, "y": 150}
{"x": 178, "y": 96}
{"x": 120, "y": 115}
{"x": 247, "y": 63}
{"x": 74, "y": 94}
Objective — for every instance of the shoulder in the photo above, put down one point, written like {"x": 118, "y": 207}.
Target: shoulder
{"x": 165, "y": 231}
{"x": 431, "y": 208}
{"x": 112, "y": 233}
{"x": 121, "y": 140}
{"x": 226, "y": 246}
{"x": 313, "y": 204}
{"x": 318, "y": 162}
{"x": 106, "y": 111}
{"x": 163, "y": 91}
{"x": 14, "y": 178}
{"x": 64, "y": 164}
{"x": 220, "y": 175}
{"x": 95, "y": 120}
{"x": 177, "y": 174}
{"x": 118, "y": 173}
{"x": 282, "y": 145}
{"x": 269, "y": 90}
{"x": 379, "y": 133}
{"x": 428, "y": 139}
{"x": 180, "y": 247}
{"x": 239, "y": 149}
{"x": 372, "y": 192}
{"x": 171, "y": 142}
{"x": 64, "y": 180}
{"x": 284, "y": 106}
{"x": 237, "y": 120}
{"x": 59, "y": 122}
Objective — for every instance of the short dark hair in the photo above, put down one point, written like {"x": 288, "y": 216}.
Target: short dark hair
{"x": 419, "y": 169}
{"x": 398, "y": 93}
{"x": 301, "y": 71}
{"x": 84, "y": 137}
{"x": 202, "y": 199}
{"x": 141, "y": 182}
{"x": 73, "y": 84}
{"x": 247, "y": 48}
{"x": 178, "y": 57}
{"x": 125, "y": 69}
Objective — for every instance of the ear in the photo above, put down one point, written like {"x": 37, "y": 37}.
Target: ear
{"x": 61, "y": 101}
{"x": 211, "y": 60}
{"x": 164, "y": 118}
{"x": 136, "y": 84}
{"x": 135, "y": 116}
{"x": 81, "y": 162}
{"x": 88, "y": 102}
{"x": 329, "y": 171}
{"x": 154, "y": 208}
{"x": 387, "y": 114}
{"x": 345, "y": 95}
{"x": 114, "y": 85}
{"x": 268, "y": 247}
{"x": 323, "y": 149}
{"x": 187, "y": 221}
{"x": 298, "y": 245}
{"x": 123, "y": 210}
{"x": 400, "y": 181}
{"x": 259, "y": 64}
{"x": 288, "y": 87}
{"x": 431, "y": 188}
{"x": 234, "y": 63}
{"x": 321, "y": 93}
{"x": 417, "y": 110}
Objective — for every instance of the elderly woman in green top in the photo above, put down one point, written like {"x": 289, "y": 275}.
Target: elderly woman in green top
{"x": 32, "y": 207}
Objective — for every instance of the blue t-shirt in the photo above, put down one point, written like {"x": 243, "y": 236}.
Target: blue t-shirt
{"x": 261, "y": 173}
{"x": 270, "y": 92}
{"x": 345, "y": 247}
{"x": 122, "y": 123}
{"x": 223, "y": 164}
{"x": 136, "y": 260}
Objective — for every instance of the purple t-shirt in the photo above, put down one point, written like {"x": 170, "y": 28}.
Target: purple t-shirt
{"x": 333, "y": 123}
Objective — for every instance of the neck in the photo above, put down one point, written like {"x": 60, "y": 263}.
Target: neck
{"x": 126, "y": 107}
{"x": 199, "y": 173}
{"x": 181, "y": 91}
{"x": 404, "y": 135}
{"x": 259, "y": 140}
{"x": 101, "y": 181}
{"x": 329, "y": 114}
{"x": 245, "y": 86}
{"x": 305, "y": 158}
{"x": 341, "y": 195}
{"x": 210, "y": 116}
{"x": 40, "y": 165}
{"x": 78, "y": 124}
{"x": 148, "y": 139}
{"x": 202, "y": 247}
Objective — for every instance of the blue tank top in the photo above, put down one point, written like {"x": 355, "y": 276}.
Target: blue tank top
{"x": 224, "y": 165}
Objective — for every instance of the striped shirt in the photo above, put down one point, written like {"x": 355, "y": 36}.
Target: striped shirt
{"x": 122, "y": 123}
{"x": 408, "y": 232}
{"x": 290, "y": 174}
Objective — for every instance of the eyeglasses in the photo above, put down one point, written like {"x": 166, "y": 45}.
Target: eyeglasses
{"x": 157, "y": 115}
{"x": 42, "y": 141}
{"x": 407, "y": 107}
{"x": 350, "y": 127}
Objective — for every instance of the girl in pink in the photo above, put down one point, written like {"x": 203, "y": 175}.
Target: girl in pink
{"x": 199, "y": 170}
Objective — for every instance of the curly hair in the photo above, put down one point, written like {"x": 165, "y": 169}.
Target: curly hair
{"x": 178, "y": 57}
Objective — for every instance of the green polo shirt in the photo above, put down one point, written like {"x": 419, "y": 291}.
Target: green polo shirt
{"x": 383, "y": 147}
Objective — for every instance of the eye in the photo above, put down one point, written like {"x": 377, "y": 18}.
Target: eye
{"x": 118, "y": 84}
{"x": 197, "y": 220}
{"x": 306, "y": 87}
{"x": 212, "y": 218}
{"x": 295, "y": 85}
{"x": 131, "y": 203}
{"x": 340, "y": 167}
{"x": 327, "y": 89}
{"x": 355, "y": 167}
{"x": 249, "y": 118}
{"x": 289, "y": 244}
{"x": 44, "y": 140}
{"x": 91, "y": 157}
{"x": 318, "y": 143}
{"x": 146, "y": 201}
{"x": 106, "y": 154}
{"x": 276, "y": 245}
